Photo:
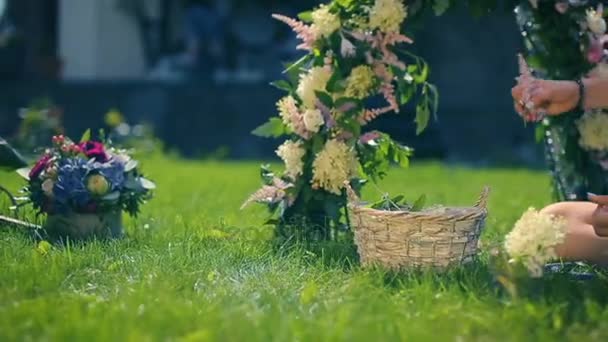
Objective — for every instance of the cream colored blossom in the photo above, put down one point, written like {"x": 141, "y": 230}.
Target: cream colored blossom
{"x": 596, "y": 22}
{"x": 347, "y": 48}
{"x": 285, "y": 107}
{"x": 292, "y": 154}
{"x": 360, "y": 82}
{"x": 334, "y": 165}
{"x": 593, "y": 128}
{"x": 47, "y": 187}
{"x": 387, "y": 15}
{"x": 534, "y": 238}
{"x": 324, "y": 23}
{"x": 313, "y": 120}
{"x": 314, "y": 80}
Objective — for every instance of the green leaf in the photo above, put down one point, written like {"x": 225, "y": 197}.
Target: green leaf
{"x": 325, "y": 98}
{"x": 540, "y": 133}
{"x": 335, "y": 84}
{"x": 434, "y": 93}
{"x": 274, "y": 128}
{"x": 441, "y": 6}
{"x": 305, "y": 16}
{"x": 86, "y": 136}
{"x": 423, "y": 116}
{"x": 282, "y": 85}
{"x": 419, "y": 204}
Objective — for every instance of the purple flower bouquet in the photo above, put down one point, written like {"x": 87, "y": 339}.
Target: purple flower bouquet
{"x": 84, "y": 188}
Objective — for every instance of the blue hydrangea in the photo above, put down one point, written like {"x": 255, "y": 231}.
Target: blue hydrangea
{"x": 113, "y": 171}
{"x": 70, "y": 187}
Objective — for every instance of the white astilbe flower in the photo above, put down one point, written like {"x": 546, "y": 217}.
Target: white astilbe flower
{"x": 595, "y": 20}
{"x": 334, "y": 165}
{"x": 324, "y": 23}
{"x": 534, "y": 238}
{"x": 314, "y": 80}
{"x": 360, "y": 83}
{"x": 313, "y": 120}
{"x": 593, "y": 128}
{"x": 292, "y": 154}
{"x": 387, "y": 15}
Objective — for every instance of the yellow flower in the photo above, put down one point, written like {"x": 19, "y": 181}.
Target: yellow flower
{"x": 324, "y": 23}
{"x": 292, "y": 154}
{"x": 114, "y": 118}
{"x": 534, "y": 238}
{"x": 313, "y": 120}
{"x": 98, "y": 185}
{"x": 334, "y": 165}
{"x": 387, "y": 15}
{"x": 593, "y": 128}
{"x": 314, "y": 80}
{"x": 360, "y": 82}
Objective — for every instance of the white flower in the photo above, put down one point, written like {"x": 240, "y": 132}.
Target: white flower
{"x": 534, "y": 238}
{"x": 595, "y": 21}
{"x": 313, "y": 120}
{"x": 47, "y": 187}
{"x": 347, "y": 49}
{"x": 286, "y": 106}
{"x": 387, "y": 15}
{"x": 292, "y": 154}
{"x": 593, "y": 128}
{"x": 334, "y": 165}
{"x": 315, "y": 80}
{"x": 534, "y": 3}
{"x": 324, "y": 23}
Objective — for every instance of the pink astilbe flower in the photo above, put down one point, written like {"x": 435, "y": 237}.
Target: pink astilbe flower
{"x": 303, "y": 31}
{"x": 271, "y": 194}
{"x": 296, "y": 120}
{"x": 387, "y": 89}
{"x": 371, "y": 114}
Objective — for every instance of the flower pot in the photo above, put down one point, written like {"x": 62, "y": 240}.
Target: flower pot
{"x": 85, "y": 226}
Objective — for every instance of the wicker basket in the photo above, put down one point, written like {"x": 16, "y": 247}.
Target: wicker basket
{"x": 438, "y": 237}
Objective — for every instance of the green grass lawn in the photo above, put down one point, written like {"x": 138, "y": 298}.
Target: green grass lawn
{"x": 195, "y": 268}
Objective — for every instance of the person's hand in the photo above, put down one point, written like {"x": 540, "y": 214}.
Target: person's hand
{"x": 599, "y": 219}
{"x": 550, "y": 97}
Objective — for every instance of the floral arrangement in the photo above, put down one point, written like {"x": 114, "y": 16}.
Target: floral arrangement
{"x": 533, "y": 240}
{"x": 355, "y": 58}
{"x": 567, "y": 40}
{"x": 89, "y": 177}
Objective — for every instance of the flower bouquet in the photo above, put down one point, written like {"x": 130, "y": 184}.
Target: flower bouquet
{"x": 84, "y": 188}
{"x": 355, "y": 69}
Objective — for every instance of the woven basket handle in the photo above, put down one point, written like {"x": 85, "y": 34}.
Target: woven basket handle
{"x": 482, "y": 202}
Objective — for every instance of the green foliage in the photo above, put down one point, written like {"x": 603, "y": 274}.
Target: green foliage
{"x": 274, "y": 128}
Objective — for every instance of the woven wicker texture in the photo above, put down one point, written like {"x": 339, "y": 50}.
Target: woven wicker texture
{"x": 438, "y": 238}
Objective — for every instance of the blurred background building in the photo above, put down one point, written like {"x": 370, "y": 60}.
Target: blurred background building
{"x": 198, "y": 71}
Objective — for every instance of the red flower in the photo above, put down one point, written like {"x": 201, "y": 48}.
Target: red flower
{"x": 40, "y": 166}
{"x": 94, "y": 150}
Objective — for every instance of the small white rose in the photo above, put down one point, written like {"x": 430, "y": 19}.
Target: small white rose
{"x": 596, "y": 22}
{"x": 313, "y": 120}
{"x": 47, "y": 187}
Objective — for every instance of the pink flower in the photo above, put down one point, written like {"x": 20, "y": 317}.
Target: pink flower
{"x": 42, "y": 164}
{"x": 562, "y": 7}
{"x": 369, "y": 137}
{"x": 596, "y": 51}
{"x": 94, "y": 150}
